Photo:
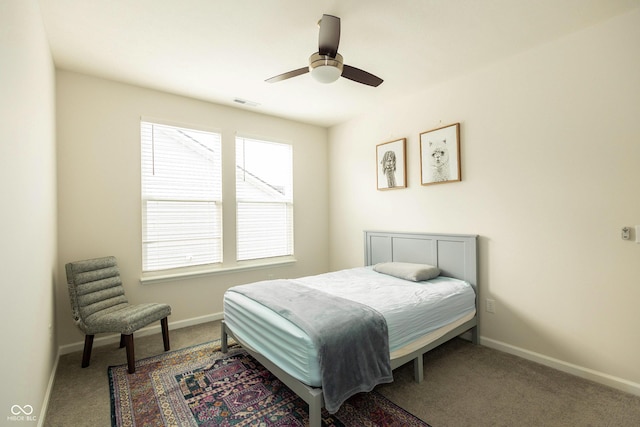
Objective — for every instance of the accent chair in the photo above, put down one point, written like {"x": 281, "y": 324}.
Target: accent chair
{"x": 99, "y": 305}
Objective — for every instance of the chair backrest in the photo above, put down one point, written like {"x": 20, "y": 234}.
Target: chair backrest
{"x": 94, "y": 285}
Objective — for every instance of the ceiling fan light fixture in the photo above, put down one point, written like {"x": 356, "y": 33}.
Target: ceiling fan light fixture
{"x": 324, "y": 68}
{"x": 326, "y": 65}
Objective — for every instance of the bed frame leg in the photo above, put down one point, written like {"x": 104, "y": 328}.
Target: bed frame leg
{"x": 474, "y": 335}
{"x": 418, "y": 369}
{"x": 223, "y": 338}
{"x": 315, "y": 411}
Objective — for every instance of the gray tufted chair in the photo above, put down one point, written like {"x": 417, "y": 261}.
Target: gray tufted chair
{"x": 99, "y": 305}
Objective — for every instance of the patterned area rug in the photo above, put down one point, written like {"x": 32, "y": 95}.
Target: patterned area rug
{"x": 200, "y": 386}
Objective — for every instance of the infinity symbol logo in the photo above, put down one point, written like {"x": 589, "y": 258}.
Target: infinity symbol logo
{"x": 26, "y": 409}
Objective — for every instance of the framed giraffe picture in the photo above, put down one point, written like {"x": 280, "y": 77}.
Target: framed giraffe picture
{"x": 391, "y": 164}
{"x": 440, "y": 155}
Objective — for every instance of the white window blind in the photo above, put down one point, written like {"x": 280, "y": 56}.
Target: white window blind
{"x": 181, "y": 197}
{"x": 264, "y": 196}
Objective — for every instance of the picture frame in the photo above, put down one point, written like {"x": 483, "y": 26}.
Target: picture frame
{"x": 391, "y": 164}
{"x": 440, "y": 155}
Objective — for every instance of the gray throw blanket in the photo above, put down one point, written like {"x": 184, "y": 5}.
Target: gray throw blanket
{"x": 352, "y": 338}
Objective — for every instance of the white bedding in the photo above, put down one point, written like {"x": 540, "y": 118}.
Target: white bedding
{"x": 411, "y": 309}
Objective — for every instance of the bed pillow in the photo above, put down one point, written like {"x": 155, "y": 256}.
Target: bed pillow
{"x": 408, "y": 271}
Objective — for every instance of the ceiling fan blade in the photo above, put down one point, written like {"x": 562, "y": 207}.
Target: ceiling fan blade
{"x": 360, "y": 76}
{"x": 288, "y": 75}
{"x": 329, "y": 36}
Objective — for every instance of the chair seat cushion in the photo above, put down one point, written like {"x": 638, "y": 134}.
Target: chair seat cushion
{"x": 125, "y": 318}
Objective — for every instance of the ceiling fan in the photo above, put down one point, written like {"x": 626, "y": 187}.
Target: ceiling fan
{"x": 326, "y": 64}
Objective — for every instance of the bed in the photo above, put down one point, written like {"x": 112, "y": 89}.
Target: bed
{"x": 270, "y": 338}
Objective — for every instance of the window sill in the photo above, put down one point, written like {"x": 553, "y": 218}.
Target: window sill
{"x": 161, "y": 277}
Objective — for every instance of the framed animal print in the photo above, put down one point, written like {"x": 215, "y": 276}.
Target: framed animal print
{"x": 391, "y": 164}
{"x": 440, "y": 155}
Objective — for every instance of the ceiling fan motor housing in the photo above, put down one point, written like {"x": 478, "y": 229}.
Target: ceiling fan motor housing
{"x": 325, "y": 68}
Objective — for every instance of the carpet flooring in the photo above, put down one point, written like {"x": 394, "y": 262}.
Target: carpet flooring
{"x": 465, "y": 385}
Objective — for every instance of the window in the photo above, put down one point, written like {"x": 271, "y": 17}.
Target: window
{"x": 264, "y": 196}
{"x": 181, "y": 197}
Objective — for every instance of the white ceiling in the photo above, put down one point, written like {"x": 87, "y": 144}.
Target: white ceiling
{"x": 219, "y": 50}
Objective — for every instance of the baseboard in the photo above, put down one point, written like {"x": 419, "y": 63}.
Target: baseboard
{"x": 579, "y": 371}
{"x": 47, "y": 395}
{"x": 149, "y": 330}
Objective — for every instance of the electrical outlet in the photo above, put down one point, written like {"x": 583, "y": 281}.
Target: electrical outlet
{"x": 626, "y": 233}
{"x": 491, "y": 305}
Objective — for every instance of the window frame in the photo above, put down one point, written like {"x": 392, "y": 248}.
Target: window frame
{"x": 286, "y": 200}
{"x": 145, "y": 199}
{"x": 229, "y": 263}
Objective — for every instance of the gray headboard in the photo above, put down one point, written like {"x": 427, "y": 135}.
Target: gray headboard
{"x": 454, "y": 254}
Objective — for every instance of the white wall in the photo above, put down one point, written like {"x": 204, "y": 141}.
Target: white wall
{"x": 99, "y": 189}
{"x": 550, "y": 175}
{"x": 28, "y": 214}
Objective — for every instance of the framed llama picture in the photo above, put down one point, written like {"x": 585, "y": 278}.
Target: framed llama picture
{"x": 440, "y": 155}
{"x": 391, "y": 164}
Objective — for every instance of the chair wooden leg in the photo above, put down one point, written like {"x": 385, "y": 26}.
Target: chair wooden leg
{"x": 131, "y": 359}
{"x": 86, "y": 355}
{"x": 165, "y": 333}
{"x": 122, "y": 344}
